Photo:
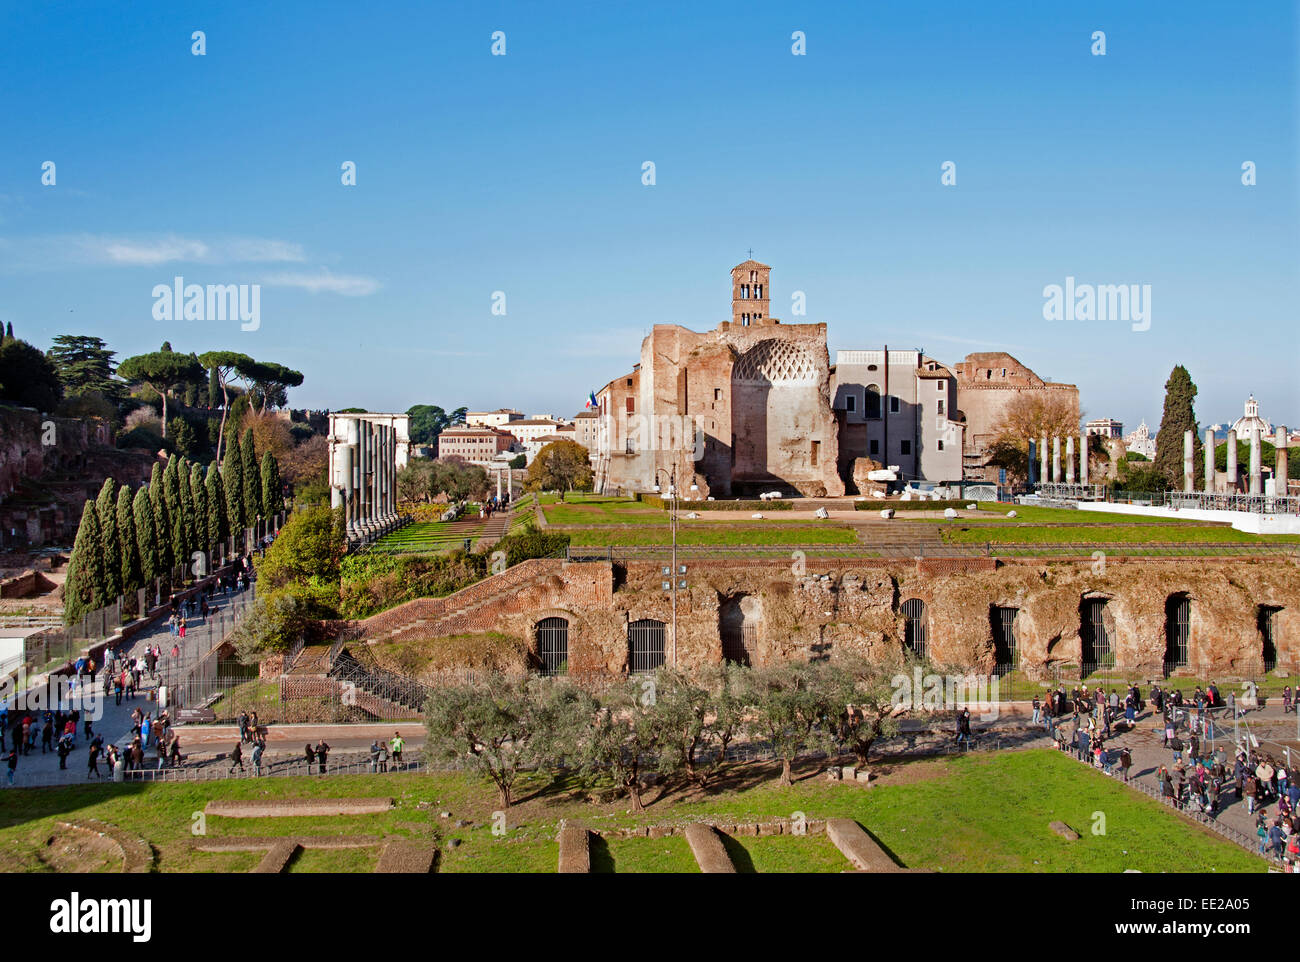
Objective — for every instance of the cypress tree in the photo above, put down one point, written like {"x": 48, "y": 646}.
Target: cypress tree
{"x": 132, "y": 579}
{"x": 83, "y": 588}
{"x": 106, "y": 511}
{"x": 218, "y": 529}
{"x": 1178, "y": 417}
{"x": 252, "y": 481}
{"x": 272, "y": 495}
{"x": 162, "y": 521}
{"x": 192, "y": 543}
{"x": 232, "y": 480}
{"x": 175, "y": 514}
{"x": 199, "y": 495}
{"x": 146, "y": 537}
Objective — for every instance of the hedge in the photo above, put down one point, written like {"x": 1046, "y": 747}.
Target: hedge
{"x": 749, "y": 505}
{"x": 879, "y": 504}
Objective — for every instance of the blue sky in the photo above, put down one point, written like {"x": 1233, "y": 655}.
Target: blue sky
{"x": 522, "y": 174}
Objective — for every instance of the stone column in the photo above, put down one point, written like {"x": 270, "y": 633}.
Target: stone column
{"x": 1033, "y": 456}
{"x": 1209, "y": 461}
{"x": 1056, "y": 460}
{"x": 1069, "y": 460}
{"x": 1280, "y": 464}
{"x": 353, "y": 471}
{"x": 1189, "y": 450}
{"x": 1083, "y": 460}
{"x": 1043, "y": 476}
{"x": 1231, "y": 467}
{"x": 1256, "y": 465}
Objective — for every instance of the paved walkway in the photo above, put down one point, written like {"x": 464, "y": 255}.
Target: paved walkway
{"x": 112, "y": 720}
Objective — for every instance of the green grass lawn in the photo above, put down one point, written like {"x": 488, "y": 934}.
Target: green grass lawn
{"x": 668, "y": 854}
{"x": 353, "y": 860}
{"x": 959, "y": 532}
{"x": 984, "y": 812}
{"x": 734, "y": 533}
{"x": 785, "y": 853}
{"x": 994, "y": 512}
{"x": 429, "y": 536}
{"x": 605, "y": 511}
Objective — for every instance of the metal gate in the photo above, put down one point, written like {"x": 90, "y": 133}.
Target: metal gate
{"x": 1267, "y": 621}
{"x": 916, "y": 627}
{"x": 553, "y": 645}
{"x": 738, "y": 644}
{"x": 1178, "y": 615}
{"x": 1095, "y": 648}
{"x": 1004, "y": 636}
{"x": 645, "y": 645}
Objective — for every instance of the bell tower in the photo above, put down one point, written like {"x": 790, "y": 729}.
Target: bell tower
{"x": 750, "y": 294}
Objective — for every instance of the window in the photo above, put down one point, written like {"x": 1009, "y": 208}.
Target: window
{"x": 1003, "y": 623}
{"x": 759, "y": 289}
{"x": 873, "y": 401}
{"x": 894, "y": 406}
{"x": 904, "y": 447}
{"x": 816, "y": 451}
{"x": 717, "y": 394}
{"x": 1094, "y": 635}
{"x": 850, "y": 403}
{"x": 1004, "y": 372}
{"x": 631, "y": 405}
{"x": 553, "y": 645}
{"x": 1266, "y": 621}
{"x": 873, "y": 447}
{"x": 1178, "y": 614}
{"x": 744, "y": 292}
{"x": 916, "y": 627}
{"x": 645, "y": 645}
{"x": 940, "y": 445}
{"x": 940, "y": 405}
{"x": 939, "y": 386}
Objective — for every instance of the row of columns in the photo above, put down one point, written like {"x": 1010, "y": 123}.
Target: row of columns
{"x": 1255, "y": 478}
{"x": 368, "y": 471}
{"x": 1056, "y": 459}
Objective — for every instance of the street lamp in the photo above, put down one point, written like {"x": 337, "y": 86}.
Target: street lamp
{"x": 673, "y": 574}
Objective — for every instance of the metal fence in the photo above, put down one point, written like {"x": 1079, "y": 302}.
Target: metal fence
{"x": 910, "y": 551}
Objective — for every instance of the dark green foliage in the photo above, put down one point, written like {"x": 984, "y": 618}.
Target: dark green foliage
{"x": 199, "y": 495}
{"x": 177, "y": 529}
{"x": 218, "y": 529}
{"x": 146, "y": 538}
{"x": 252, "y": 479}
{"x": 1179, "y": 416}
{"x": 106, "y": 511}
{"x": 272, "y": 492}
{"x": 83, "y": 588}
{"x": 132, "y": 579}
{"x": 165, "y": 371}
{"x": 429, "y": 420}
{"x": 162, "y": 520}
{"x": 232, "y": 480}
{"x": 27, "y": 378}
{"x": 84, "y": 364}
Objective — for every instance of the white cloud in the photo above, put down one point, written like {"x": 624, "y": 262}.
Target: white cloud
{"x": 348, "y": 285}
{"x": 58, "y": 251}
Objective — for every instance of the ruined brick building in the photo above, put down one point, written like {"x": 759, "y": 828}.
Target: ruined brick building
{"x": 737, "y": 410}
{"x": 755, "y": 405}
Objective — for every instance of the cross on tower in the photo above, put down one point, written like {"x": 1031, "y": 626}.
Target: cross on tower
{"x": 751, "y": 253}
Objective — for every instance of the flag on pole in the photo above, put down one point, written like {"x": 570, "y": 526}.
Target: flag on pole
{"x": 591, "y": 401}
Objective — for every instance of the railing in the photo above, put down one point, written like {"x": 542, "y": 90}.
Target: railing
{"x": 381, "y": 683}
{"x": 1248, "y": 842}
{"x": 1212, "y": 501}
{"x": 929, "y": 549}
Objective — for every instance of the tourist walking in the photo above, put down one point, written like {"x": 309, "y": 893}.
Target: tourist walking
{"x": 237, "y": 759}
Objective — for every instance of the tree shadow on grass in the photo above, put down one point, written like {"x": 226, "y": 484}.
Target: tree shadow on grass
{"x": 602, "y": 859}
{"x": 738, "y": 854}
